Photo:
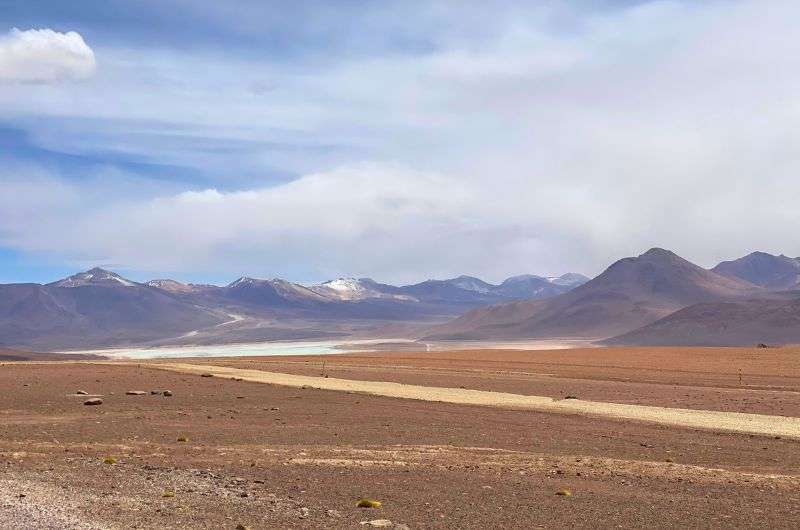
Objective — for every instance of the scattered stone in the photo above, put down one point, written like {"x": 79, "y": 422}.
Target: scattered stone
{"x": 304, "y": 512}
{"x": 206, "y": 375}
{"x": 274, "y": 408}
{"x": 155, "y": 392}
{"x": 168, "y": 494}
{"x": 93, "y": 401}
{"x": 82, "y": 393}
{"x": 167, "y": 393}
{"x": 368, "y": 503}
{"x": 378, "y": 523}
{"x": 333, "y": 514}
{"x": 183, "y": 439}
{"x": 135, "y": 393}
{"x": 564, "y": 493}
{"x": 110, "y": 460}
{"x": 571, "y": 397}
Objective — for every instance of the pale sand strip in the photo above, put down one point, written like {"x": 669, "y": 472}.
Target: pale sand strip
{"x": 786, "y": 427}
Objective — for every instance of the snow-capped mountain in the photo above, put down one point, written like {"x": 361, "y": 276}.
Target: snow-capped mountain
{"x": 271, "y": 291}
{"x": 95, "y": 277}
{"x": 171, "y": 286}
{"x": 351, "y": 289}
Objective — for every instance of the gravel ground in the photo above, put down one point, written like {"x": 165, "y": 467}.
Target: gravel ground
{"x": 267, "y": 456}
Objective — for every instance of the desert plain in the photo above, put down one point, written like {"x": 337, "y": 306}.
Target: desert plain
{"x": 480, "y": 438}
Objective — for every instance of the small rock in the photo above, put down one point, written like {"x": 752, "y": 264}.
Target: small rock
{"x": 242, "y": 527}
{"x": 378, "y": 523}
{"x": 304, "y": 512}
{"x": 206, "y": 375}
{"x": 82, "y": 393}
{"x": 564, "y": 493}
{"x": 183, "y": 439}
{"x": 167, "y": 393}
{"x": 333, "y": 514}
{"x": 135, "y": 393}
{"x": 155, "y": 392}
{"x": 93, "y": 401}
{"x": 571, "y": 397}
{"x": 368, "y": 503}
{"x": 274, "y": 408}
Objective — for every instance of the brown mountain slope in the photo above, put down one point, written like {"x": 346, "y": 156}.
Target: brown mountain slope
{"x": 94, "y": 308}
{"x": 730, "y": 323}
{"x": 772, "y": 272}
{"x": 631, "y": 293}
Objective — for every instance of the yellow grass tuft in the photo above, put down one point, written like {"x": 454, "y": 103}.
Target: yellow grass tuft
{"x": 110, "y": 460}
{"x": 564, "y": 493}
{"x": 183, "y": 439}
{"x": 368, "y": 503}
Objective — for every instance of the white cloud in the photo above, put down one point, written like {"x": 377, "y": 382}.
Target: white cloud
{"x": 44, "y": 56}
{"x": 532, "y": 149}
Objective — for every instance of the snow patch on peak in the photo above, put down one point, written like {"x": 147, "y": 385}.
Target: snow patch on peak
{"x": 345, "y": 284}
{"x": 94, "y": 276}
{"x": 244, "y": 280}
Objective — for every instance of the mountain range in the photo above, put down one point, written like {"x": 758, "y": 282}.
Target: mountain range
{"x": 98, "y": 308}
{"x": 654, "y": 298}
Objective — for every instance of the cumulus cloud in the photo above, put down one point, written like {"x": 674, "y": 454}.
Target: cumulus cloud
{"x": 44, "y": 56}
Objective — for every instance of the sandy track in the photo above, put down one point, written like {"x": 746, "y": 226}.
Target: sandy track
{"x": 782, "y": 426}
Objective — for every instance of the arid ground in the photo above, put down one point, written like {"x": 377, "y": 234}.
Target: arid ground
{"x": 288, "y": 454}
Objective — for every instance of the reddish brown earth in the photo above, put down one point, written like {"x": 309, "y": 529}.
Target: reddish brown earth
{"x": 695, "y": 378}
{"x": 276, "y": 457}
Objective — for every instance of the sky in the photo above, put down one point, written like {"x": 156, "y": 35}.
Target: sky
{"x": 398, "y": 140}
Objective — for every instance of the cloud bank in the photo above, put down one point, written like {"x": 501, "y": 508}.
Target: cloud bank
{"x": 550, "y": 138}
{"x": 44, "y": 56}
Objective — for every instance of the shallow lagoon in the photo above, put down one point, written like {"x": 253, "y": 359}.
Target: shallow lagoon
{"x": 231, "y": 350}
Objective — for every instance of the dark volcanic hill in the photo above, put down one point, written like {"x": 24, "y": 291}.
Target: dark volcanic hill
{"x": 772, "y": 272}
{"x": 732, "y": 323}
{"x": 631, "y": 293}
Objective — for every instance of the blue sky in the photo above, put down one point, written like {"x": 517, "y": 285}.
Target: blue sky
{"x": 398, "y": 140}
